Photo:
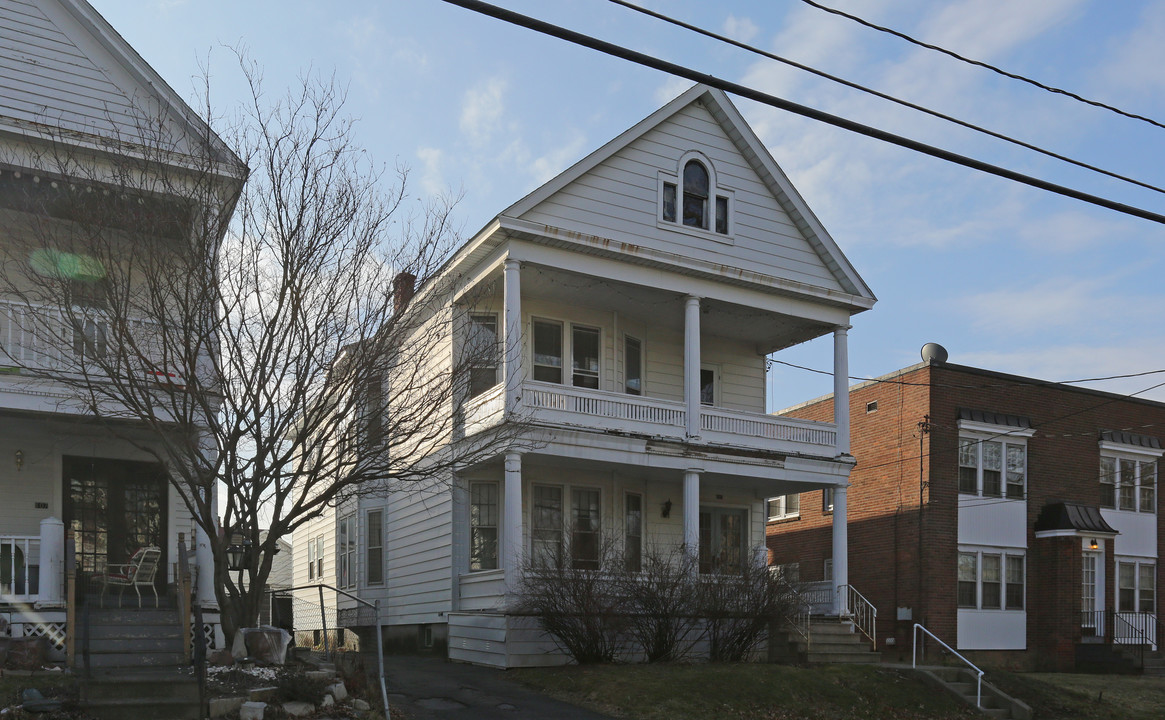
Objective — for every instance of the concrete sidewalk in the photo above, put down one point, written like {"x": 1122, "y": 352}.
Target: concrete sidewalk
{"x": 430, "y": 687}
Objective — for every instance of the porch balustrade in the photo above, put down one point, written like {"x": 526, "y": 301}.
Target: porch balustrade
{"x": 43, "y": 337}
{"x": 19, "y": 568}
{"x": 617, "y": 412}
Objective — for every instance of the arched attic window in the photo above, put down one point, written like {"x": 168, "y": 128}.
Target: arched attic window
{"x": 696, "y": 188}
{"x": 694, "y": 199}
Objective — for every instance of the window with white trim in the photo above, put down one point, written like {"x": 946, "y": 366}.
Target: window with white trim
{"x": 993, "y": 468}
{"x": 374, "y": 547}
{"x": 789, "y": 572}
{"x": 827, "y": 500}
{"x": 346, "y": 552}
{"x": 692, "y": 198}
{"x": 784, "y": 507}
{"x": 549, "y": 527}
{"x": 1128, "y": 483}
{"x": 633, "y": 532}
{"x": 991, "y": 580}
{"x": 828, "y": 570}
{"x": 483, "y": 526}
{"x": 632, "y": 365}
{"x": 584, "y": 352}
{"x": 484, "y": 352}
{"x": 1136, "y": 586}
{"x": 315, "y": 557}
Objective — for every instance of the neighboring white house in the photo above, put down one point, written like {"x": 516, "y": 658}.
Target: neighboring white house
{"x": 634, "y": 300}
{"x": 72, "y": 88}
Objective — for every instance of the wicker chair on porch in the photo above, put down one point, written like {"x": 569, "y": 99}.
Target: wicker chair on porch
{"x": 139, "y": 572}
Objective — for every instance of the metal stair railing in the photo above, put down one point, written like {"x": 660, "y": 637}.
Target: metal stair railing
{"x": 951, "y": 650}
{"x": 799, "y": 619}
{"x": 861, "y": 610}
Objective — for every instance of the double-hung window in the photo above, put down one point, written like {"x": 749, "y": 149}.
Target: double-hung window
{"x": 632, "y": 365}
{"x": 585, "y": 529}
{"x": 315, "y": 558}
{"x": 484, "y": 351}
{"x": 585, "y": 346}
{"x": 991, "y": 579}
{"x": 548, "y": 351}
{"x": 346, "y": 552}
{"x": 584, "y": 357}
{"x": 548, "y": 527}
{"x": 633, "y": 532}
{"x": 374, "y": 547}
{"x": 483, "y": 526}
{"x": 993, "y": 468}
{"x": 1136, "y": 586}
{"x": 1128, "y": 483}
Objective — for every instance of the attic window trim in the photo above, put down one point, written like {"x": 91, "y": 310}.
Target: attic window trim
{"x": 715, "y": 190}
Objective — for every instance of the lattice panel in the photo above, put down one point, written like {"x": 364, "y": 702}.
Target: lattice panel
{"x": 208, "y": 631}
{"x": 54, "y": 631}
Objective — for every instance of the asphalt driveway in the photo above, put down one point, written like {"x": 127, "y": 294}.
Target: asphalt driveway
{"x": 429, "y": 687}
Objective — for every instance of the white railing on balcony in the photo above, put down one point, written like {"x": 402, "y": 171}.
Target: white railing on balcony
{"x": 737, "y": 423}
{"x": 43, "y": 337}
{"x": 19, "y": 567}
{"x": 605, "y": 410}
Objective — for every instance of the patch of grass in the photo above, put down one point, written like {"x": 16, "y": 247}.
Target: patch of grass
{"x": 1067, "y": 696}
{"x": 765, "y": 692}
{"x": 50, "y": 684}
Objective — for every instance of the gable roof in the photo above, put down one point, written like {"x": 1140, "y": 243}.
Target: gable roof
{"x": 750, "y": 147}
{"x": 67, "y": 75}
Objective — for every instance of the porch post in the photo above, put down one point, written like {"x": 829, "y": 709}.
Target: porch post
{"x": 512, "y": 520}
{"x": 692, "y": 517}
{"x": 512, "y": 312}
{"x": 840, "y": 547}
{"x": 841, "y": 420}
{"x": 841, "y": 387}
{"x": 692, "y": 365}
{"x": 52, "y": 563}
{"x": 204, "y": 557}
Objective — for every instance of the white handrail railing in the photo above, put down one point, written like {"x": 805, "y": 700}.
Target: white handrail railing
{"x": 863, "y": 612}
{"x": 914, "y": 659}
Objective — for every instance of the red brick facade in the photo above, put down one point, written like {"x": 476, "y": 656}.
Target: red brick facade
{"x": 907, "y": 473}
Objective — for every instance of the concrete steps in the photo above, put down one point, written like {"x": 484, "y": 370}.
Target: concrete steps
{"x": 1154, "y": 664}
{"x": 134, "y": 638}
{"x": 963, "y": 682}
{"x": 830, "y": 641}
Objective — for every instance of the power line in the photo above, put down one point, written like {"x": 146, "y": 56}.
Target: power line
{"x": 882, "y": 95}
{"x": 980, "y": 63}
{"x": 796, "y": 108}
{"x": 774, "y": 361}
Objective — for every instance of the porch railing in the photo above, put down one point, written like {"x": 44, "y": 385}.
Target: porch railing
{"x": 1133, "y": 632}
{"x": 861, "y": 611}
{"x": 623, "y": 412}
{"x": 44, "y": 337}
{"x": 918, "y": 633}
{"x": 19, "y": 567}
{"x": 770, "y": 427}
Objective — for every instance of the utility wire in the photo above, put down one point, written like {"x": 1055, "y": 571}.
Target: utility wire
{"x": 882, "y": 95}
{"x": 798, "y": 109}
{"x": 980, "y": 63}
{"x": 984, "y": 386}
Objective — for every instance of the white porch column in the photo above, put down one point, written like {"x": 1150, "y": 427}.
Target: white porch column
{"x": 512, "y": 520}
{"x": 841, "y": 387}
{"x": 692, "y": 517}
{"x": 204, "y": 557}
{"x": 512, "y": 356}
{"x": 840, "y": 546}
{"x": 841, "y": 420}
{"x": 692, "y": 364}
{"x": 52, "y": 562}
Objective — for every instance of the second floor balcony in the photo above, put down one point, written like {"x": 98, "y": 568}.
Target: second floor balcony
{"x": 547, "y": 404}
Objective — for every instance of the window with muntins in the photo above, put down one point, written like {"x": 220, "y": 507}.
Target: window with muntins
{"x": 483, "y": 526}
{"x": 585, "y": 532}
{"x": 546, "y": 525}
{"x": 993, "y": 468}
{"x": 585, "y": 357}
{"x": 633, "y": 532}
{"x": 1128, "y": 483}
{"x": 693, "y": 199}
{"x": 696, "y": 186}
{"x": 346, "y": 552}
{"x": 374, "y": 547}
{"x": 1136, "y": 587}
{"x": 484, "y": 352}
{"x": 991, "y": 580}
{"x": 548, "y": 351}
{"x": 632, "y": 365}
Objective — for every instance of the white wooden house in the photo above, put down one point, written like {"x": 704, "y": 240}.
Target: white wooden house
{"x": 72, "y": 88}
{"x": 634, "y": 299}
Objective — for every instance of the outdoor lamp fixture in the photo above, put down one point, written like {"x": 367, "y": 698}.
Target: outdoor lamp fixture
{"x": 665, "y": 509}
{"x": 1093, "y": 544}
{"x": 238, "y": 554}
{"x": 19, "y": 460}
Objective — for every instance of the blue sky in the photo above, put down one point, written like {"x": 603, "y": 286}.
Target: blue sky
{"x": 1005, "y": 277}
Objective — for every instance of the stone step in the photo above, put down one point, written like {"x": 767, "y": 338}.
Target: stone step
{"x": 118, "y": 632}
{"x": 145, "y": 616}
{"x": 164, "y": 643}
{"x": 853, "y": 657}
{"x": 136, "y": 659}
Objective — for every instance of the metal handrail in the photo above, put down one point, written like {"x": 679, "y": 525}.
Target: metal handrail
{"x": 379, "y": 635}
{"x": 801, "y": 620}
{"x": 951, "y": 650}
{"x": 863, "y": 612}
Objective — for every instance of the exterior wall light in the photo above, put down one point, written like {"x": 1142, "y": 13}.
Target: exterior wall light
{"x": 19, "y": 460}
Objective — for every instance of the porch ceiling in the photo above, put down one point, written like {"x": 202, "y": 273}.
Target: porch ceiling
{"x": 769, "y": 331}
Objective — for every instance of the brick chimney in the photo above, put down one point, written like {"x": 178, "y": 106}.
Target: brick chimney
{"x": 403, "y": 286}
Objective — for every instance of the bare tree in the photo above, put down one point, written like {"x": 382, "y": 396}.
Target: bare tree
{"x": 248, "y": 319}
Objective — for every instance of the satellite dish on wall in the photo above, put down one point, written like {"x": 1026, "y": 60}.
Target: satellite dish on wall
{"x": 934, "y": 354}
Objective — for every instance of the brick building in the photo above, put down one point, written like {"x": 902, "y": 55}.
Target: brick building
{"x": 1037, "y": 505}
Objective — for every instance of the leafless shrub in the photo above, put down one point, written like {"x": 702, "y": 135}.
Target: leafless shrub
{"x": 737, "y": 608}
{"x": 660, "y": 603}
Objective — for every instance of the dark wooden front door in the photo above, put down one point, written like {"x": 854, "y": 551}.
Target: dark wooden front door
{"x": 114, "y": 507}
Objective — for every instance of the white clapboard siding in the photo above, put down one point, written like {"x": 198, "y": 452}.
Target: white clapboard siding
{"x": 618, "y": 199}
{"x": 419, "y": 550}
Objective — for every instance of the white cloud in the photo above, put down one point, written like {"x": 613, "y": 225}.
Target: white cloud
{"x": 558, "y": 159}
{"x": 482, "y": 110}
{"x": 740, "y": 29}
{"x": 985, "y": 29}
{"x": 671, "y": 88}
{"x": 432, "y": 177}
{"x": 1137, "y": 59}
